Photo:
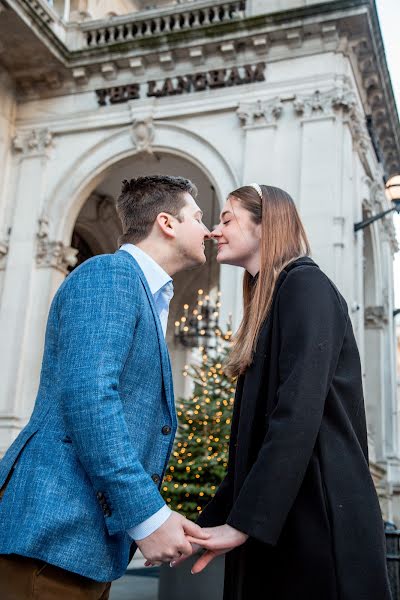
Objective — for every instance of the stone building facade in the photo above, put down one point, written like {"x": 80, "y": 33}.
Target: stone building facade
{"x": 293, "y": 93}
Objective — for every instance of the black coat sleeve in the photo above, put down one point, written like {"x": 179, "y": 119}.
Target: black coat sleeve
{"x": 217, "y": 510}
{"x": 312, "y": 325}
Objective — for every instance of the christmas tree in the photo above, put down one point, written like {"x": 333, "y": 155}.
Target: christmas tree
{"x": 200, "y": 455}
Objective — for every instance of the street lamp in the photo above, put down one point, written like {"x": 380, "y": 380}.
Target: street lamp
{"x": 392, "y": 190}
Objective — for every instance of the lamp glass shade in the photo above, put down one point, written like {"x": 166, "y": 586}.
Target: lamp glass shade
{"x": 392, "y": 189}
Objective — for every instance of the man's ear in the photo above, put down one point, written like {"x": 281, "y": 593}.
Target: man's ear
{"x": 165, "y": 224}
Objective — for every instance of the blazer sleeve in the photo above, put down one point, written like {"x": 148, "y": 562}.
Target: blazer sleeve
{"x": 312, "y": 324}
{"x": 97, "y": 313}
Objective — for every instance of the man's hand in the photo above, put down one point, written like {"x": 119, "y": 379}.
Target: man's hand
{"x": 221, "y": 539}
{"x": 169, "y": 542}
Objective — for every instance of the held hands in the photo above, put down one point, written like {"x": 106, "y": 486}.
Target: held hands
{"x": 219, "y": 540}
{"x": 172, "y": 540}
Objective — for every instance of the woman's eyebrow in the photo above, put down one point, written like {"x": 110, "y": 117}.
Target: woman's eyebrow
{"x": 226, "y": 212}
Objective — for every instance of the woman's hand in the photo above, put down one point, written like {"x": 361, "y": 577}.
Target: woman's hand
{"x": 221, "y": 539}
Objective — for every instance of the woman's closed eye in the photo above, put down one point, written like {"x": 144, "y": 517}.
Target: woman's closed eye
{"x": 226, "y": 222}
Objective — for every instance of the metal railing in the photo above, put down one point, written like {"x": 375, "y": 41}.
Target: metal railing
{"x": 393, "y": 558}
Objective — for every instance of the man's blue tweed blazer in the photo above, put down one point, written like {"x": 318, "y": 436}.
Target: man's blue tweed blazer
{"x": 85, "y": 461}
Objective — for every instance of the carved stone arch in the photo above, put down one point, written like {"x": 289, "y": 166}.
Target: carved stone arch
{"x": 67, "y": 197}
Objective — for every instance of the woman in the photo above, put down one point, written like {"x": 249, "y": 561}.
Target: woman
{"x": 297, "y": 511}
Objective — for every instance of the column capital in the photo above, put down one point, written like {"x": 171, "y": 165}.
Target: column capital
{"x": 33, "y": 142}
{"x": 259, "y": 113}
{"x": 325, "y": 103}
{"x": 375, "y": 317}
{"x": 53, "y": 254}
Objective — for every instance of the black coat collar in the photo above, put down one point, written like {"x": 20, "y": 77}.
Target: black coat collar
{"x": 300, "y": 262}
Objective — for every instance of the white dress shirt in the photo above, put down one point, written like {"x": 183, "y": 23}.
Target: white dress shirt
{"x": 160, "y": 284}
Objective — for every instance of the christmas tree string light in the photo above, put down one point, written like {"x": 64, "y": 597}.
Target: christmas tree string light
{"x": 200, "y": 455}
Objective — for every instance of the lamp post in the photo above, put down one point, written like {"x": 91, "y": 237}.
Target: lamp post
{"x": 392, "y": 190}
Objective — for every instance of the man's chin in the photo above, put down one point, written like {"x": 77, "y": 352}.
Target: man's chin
{"x": 195, "y": 261}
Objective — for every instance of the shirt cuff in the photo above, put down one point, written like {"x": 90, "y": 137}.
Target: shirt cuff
{"x": 149, "y": 526}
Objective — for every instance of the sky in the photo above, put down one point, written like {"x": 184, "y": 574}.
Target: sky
{"x": 389, "y": 16}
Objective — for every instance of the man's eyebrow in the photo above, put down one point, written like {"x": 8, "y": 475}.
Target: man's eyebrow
{"x": 226, "y": 212}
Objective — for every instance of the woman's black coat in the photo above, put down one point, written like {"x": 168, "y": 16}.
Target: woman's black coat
{"x": 298, "y": 481}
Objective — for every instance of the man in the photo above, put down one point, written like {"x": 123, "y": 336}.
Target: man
{"x": 82, "y": 480}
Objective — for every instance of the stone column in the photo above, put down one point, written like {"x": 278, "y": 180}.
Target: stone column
{"x": 259, "y": 120}
{"x": 35, "y": 267}
{"x": 7, "y": 118}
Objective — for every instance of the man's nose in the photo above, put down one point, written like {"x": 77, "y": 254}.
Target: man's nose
{"x": 207, "y": 233}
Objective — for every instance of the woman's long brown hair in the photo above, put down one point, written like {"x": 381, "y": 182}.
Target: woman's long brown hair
{"x": 283, "y": 239}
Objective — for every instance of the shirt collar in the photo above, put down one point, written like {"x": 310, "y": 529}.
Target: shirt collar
{"x": 155, "y": 275}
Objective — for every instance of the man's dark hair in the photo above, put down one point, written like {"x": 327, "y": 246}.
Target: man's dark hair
{"x": 143, "y": 198}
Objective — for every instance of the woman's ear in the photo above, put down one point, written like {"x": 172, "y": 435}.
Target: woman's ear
{"x": 165, "y": 224}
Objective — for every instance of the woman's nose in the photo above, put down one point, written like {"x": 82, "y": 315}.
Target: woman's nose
{"x": 216, "y": 233}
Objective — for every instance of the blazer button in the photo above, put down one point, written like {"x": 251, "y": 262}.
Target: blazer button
{"x": 155, "y": 478}
{"x": 107, "y": 513}
{"x": 100, "y": 496}
{"x": 166, "y": 430}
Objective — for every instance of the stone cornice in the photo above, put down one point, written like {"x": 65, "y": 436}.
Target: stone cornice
{"x": 343, "y": 25}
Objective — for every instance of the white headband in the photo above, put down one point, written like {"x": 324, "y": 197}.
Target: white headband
{"x": 258, "y": 189}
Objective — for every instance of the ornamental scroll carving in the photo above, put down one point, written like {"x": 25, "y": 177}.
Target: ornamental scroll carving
{"x": 51, "y": 253}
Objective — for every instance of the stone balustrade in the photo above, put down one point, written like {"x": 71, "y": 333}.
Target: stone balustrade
{"x": 181, "y": 18}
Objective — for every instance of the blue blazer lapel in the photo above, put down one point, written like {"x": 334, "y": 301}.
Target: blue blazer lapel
{"x": 165, "y": 360}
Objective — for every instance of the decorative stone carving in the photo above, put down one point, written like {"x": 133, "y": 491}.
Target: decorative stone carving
{"x": 105, "y": 208}
{"x": 260, "y": 44}
{"x": 375, "y": 317}
{"x": 35, "y": 141}
{"x": 109, "y": 70}
{"x": 260, "y": 113}
{"x": 143, "y": 134}
{"x": 294, "y": 38}
{"x": 377, "y": 203}
{"x": 4, "y": 244}
{"x": 390, "y": 232}
{"x": 228, "y": 50}
{"x": 197, "y": 55}
{"x": 325, "y": 103}
{"x": 53, "y": 80}
{"x": 80, "y": 75}
{"x": 166, "y": 60}
{"x": 53, "y": 254}
{"x": 383, "y": 111}
{"x": 137, "y": 65}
